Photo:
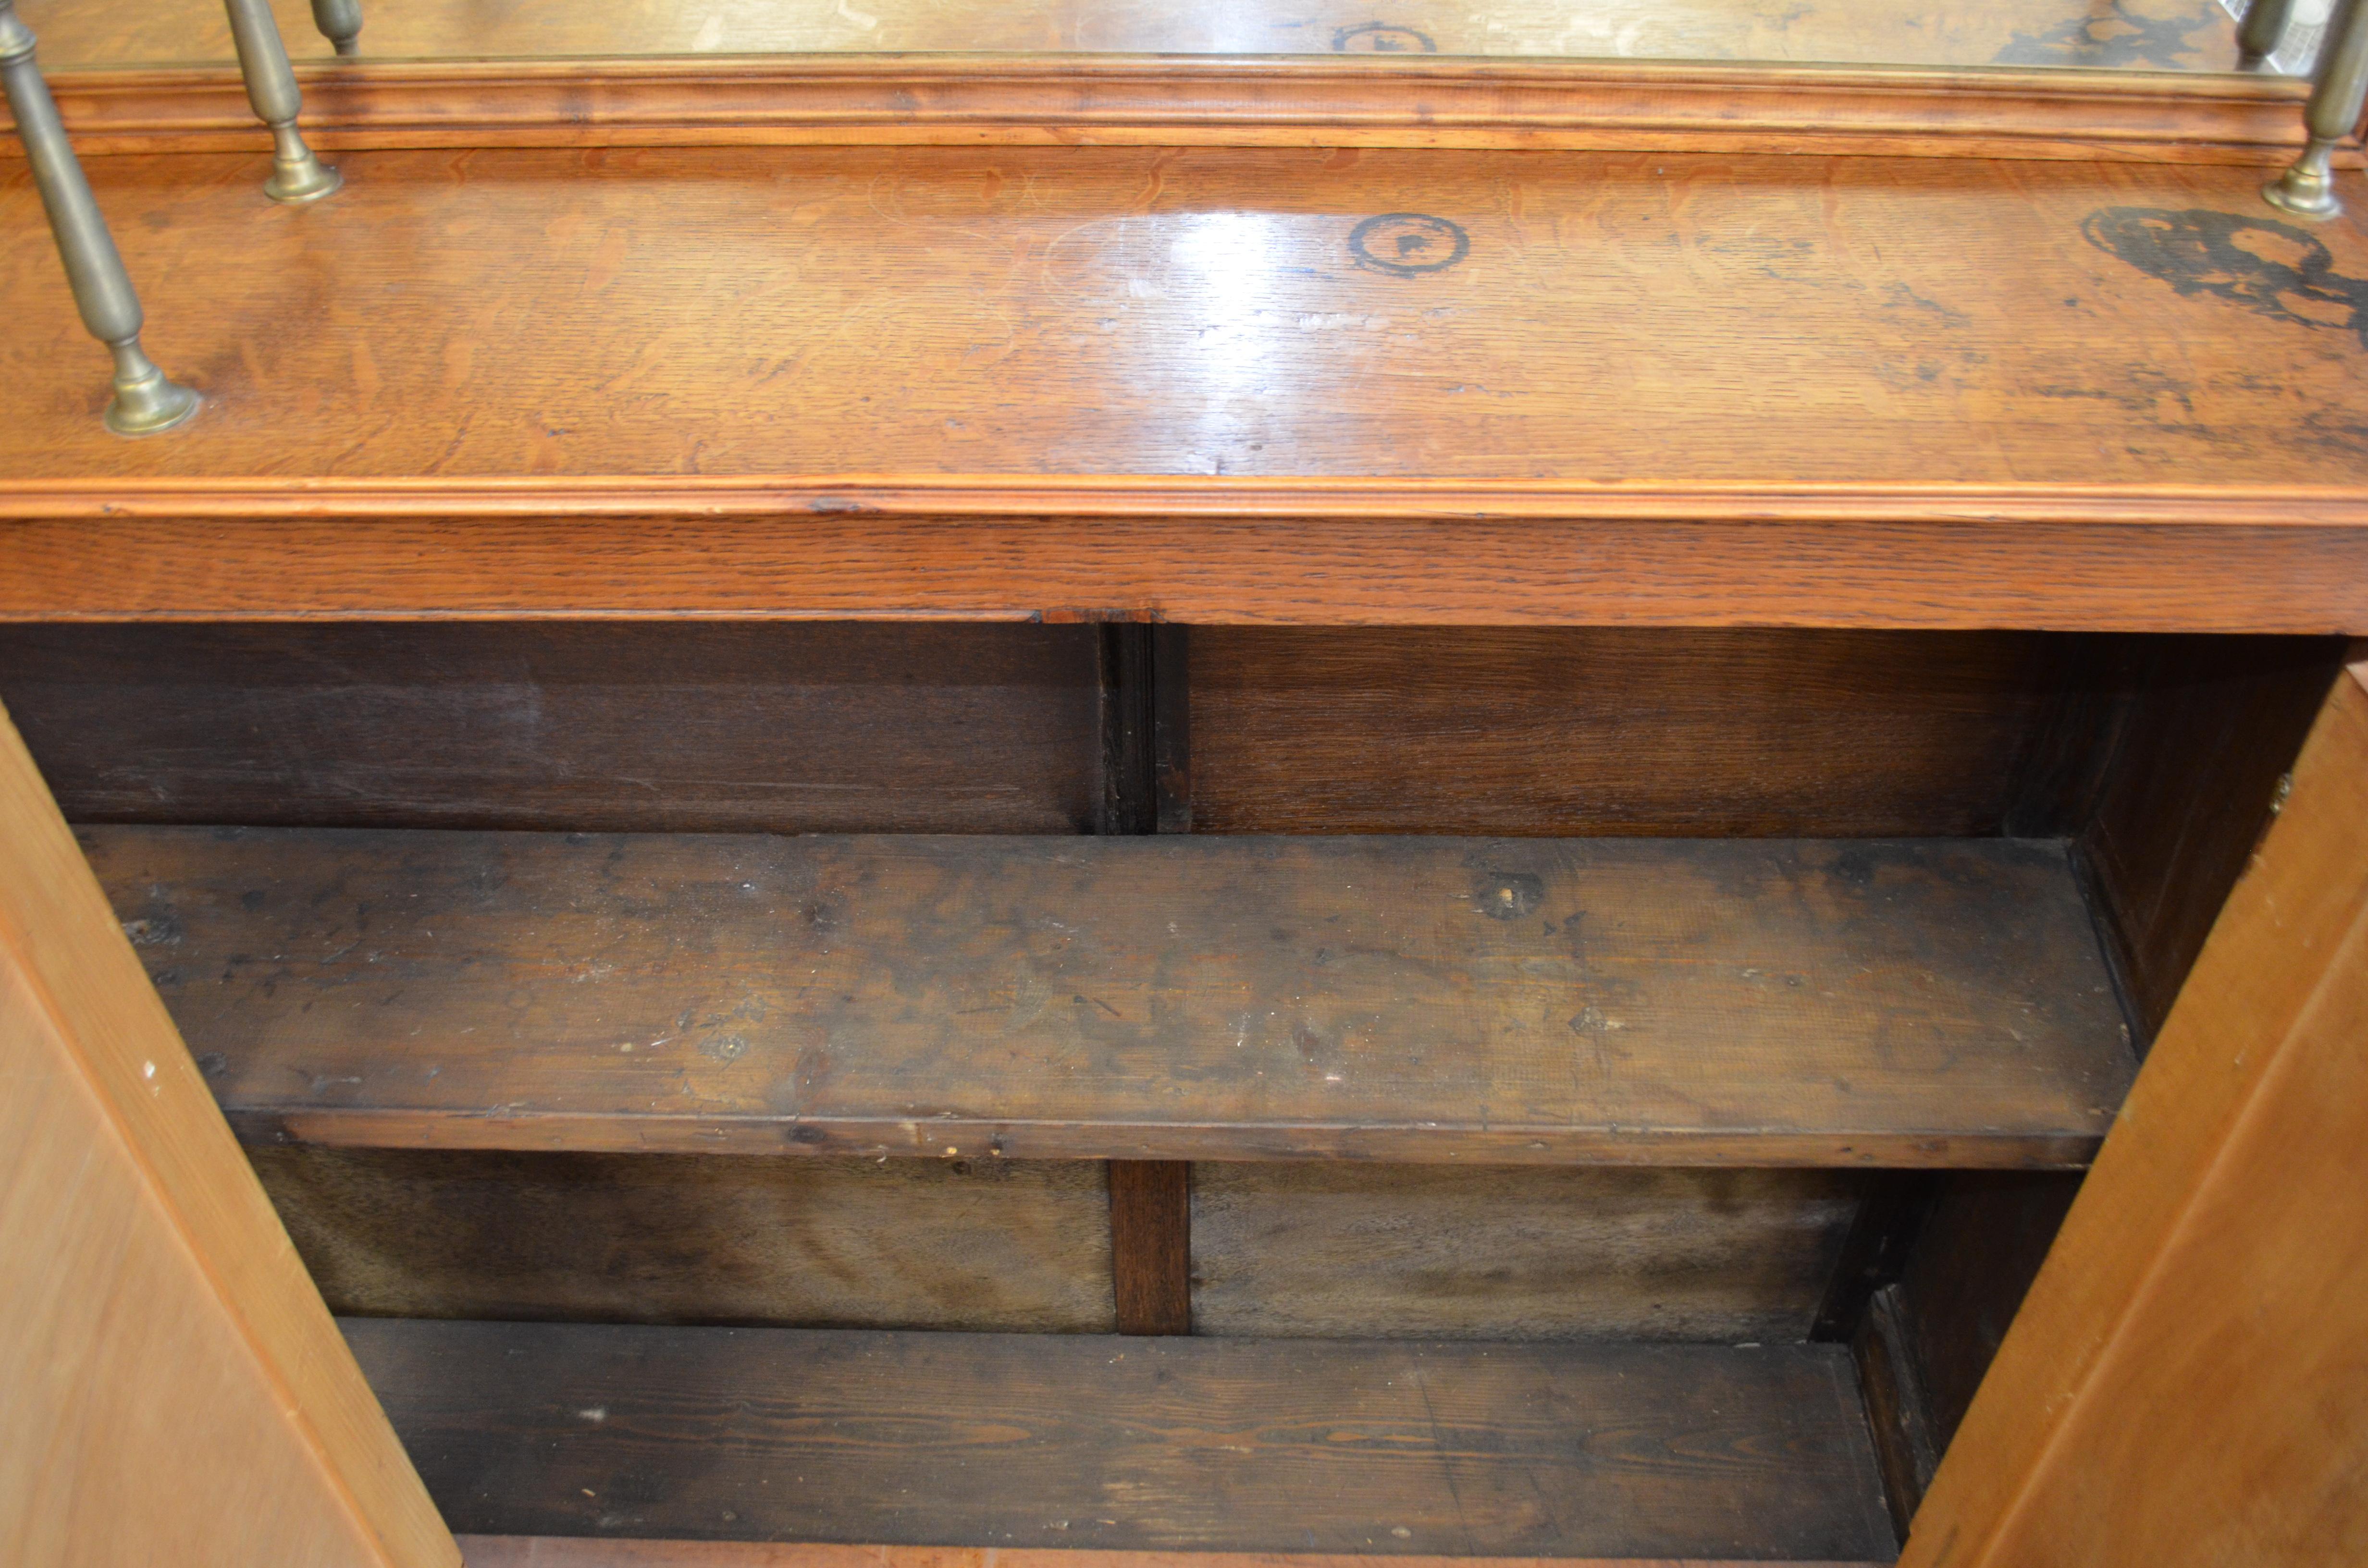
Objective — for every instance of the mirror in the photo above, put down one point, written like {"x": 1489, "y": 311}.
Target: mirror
{"x": 2186, "y": 36}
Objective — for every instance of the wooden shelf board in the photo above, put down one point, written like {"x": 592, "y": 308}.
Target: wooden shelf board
{"x": 1374, "y": 1448}
{"x": 1093, "y": 383}
{"x": 1680, "y": 1001}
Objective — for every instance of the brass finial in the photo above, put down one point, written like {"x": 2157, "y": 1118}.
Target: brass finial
{"x": 340, "y": 22}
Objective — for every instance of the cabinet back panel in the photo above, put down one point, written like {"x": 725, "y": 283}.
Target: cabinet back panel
{"x": 1398, "y": 1251}
{"x": 1686, "y": 732}
{"x": 1006, "y": 1247}
{"x": 837, "y": 727}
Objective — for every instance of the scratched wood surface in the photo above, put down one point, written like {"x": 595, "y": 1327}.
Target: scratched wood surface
{"x": 1005, "y": 1245}
{"x": 2157, "y": 35}
{"x": 1590, "y": 324}
{"x": 1034, "y": 1441}
{"x": 1764, "y": 1002}
{"x": 1425, "y": 1252}
{"x": 646, "y": 728}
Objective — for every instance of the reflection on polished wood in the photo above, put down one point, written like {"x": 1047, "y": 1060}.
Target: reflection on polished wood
{"x": 2147, "y": 35}
{"x": 2120, "y": 360}
{"x": 1603, "y": 323}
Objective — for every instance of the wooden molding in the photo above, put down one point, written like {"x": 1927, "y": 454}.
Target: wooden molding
{"x": 825, "y": 564}
{"x": 1243, "y": 100}
{"x": 1180, "y": 497}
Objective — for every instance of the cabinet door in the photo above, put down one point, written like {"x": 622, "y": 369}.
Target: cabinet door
{"x": 2188, "y": 1380}
{"x": 172, "y": 1388}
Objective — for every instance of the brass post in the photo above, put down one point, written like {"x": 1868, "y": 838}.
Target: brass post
{"x": 296, "y": 174}
{"x": 144, "y": 401}
{"x": 2264, "y": 30}
{"x": 340, "y": 22}
{"x": 2307, "y": 188}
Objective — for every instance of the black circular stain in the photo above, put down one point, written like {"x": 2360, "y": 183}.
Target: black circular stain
{"x": 1407, "y": 244}
{"x": 1382, "y": 38}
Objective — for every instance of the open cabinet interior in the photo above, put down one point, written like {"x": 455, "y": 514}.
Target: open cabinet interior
{"x": 1480, "y": 1091}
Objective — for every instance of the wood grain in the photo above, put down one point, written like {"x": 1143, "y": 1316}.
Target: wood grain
{"x": 1456, "y": 729}
{"x": 684, "y": 728}
{"x": 576, "y": 1551}
{"x": 2147, "y": 35}
{"x": 2197, "y": 766}
{"x": 1151, "y": 1244}
{"x": 2213, "y": 1272}
{"x": 149, "y": 1294}
{"x": 1422, "y": 1252}
{"x": 1966, "y": 574}
{"x": 1011, "y": 1245}
{"x": 1211, "y": 101}
{"x": 1628, "y": 335}
{"x": 1521, "y": 1001}
{"x": 1086, "y": 1441}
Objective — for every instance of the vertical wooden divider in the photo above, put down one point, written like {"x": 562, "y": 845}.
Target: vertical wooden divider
{"x": 1145, "y": 790}
{"x": 2187, "y": 1382}
{"x": 172, "y": 1388}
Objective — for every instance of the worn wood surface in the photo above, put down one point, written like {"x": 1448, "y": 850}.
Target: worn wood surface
{"x": 679, "y": 728}
{"x": 1457, "y": 730}
{"x": 1614, "y": 335}
{"x": 1407, "y": 1252}
{"x": 577, "y": 1551}
{"x": 2145, "y": 35}
{"x": 171, "y": 1389}
{"x": 1151, "y": 1244}
{"x": 1770, "y": 1002}
{"x": 1005, "y": 1245}
{"x": 2187, "y": 1382}
{"x": 1083, "y": 1440}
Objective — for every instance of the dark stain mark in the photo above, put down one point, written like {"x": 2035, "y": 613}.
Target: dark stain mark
{"x": 1507, "y": 895}
{"x": 1855, "y": 868}
{"x": 1382, "y": 38}
{"x": 2112, "y": 37}
{"x": 2272, "y": 268}
{"x": 153, "y": 931}
{"x": 213, "y": 1063}
{"x": 251, "y": 899}
{"x": 1407, "y": 244}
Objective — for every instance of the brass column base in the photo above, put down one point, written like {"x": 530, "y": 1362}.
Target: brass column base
{"x": 145, "y": 401}
{"x": 297, "y": 174}
{"x": 2307, "y": 188}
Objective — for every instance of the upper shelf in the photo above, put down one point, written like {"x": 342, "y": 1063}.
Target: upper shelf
{"x": 2145, "y": 79}
{"x": 1527, "y": 1001}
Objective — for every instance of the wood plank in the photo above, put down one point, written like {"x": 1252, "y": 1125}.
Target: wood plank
{"x": 1433, "y": 1252}
{"x": 2172, "y": 35}
{"x": 1037, "y": 1441}
{"x": 2213, "y": 1272}
{"x": 671, "y": 729}
{"x": 576, "y": 1551}
{"x": 1605, "y": 731}
{"x": 2063, "y": 574}
{"x": 148, "y": 1294}
{"x": 1151, "y": 1244}
{"x": 1768, "y": 1002}
{"x": 1006, "y": 1246}
{"x": 1747, "y": 338}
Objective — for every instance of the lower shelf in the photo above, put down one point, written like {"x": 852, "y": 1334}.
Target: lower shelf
{"x": 1038, "y": 1441}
